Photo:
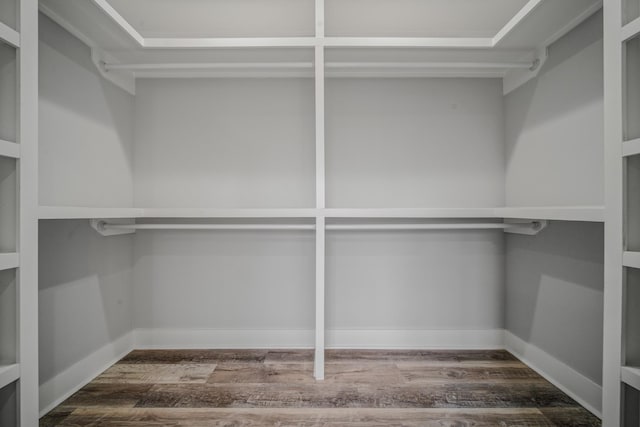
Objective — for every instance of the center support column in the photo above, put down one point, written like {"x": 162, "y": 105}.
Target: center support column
{"x": 318, "y": 367}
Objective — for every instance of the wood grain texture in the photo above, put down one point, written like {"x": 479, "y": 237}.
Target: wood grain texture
{"x": 362, "y": 388}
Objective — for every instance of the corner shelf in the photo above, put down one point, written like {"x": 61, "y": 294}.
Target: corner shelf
{"x": 9, "y": 149}
{"x": 9, "y": 374}
{"x": 74, "y": 212}
{"x": 9, "y": 35}
{"x": 557, "y": 213}
{"x": 631, "y": 259}
{"x": 9, "y": 261}
{"x": 630, "y": 376}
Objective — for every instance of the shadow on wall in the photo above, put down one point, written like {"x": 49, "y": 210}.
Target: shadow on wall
{"x": 554, "y": 292}
{"x": 85, "y": 284}
{"x": 535, "y": 108}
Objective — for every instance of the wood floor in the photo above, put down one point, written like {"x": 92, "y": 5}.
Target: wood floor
{"x": 362, "y": 388}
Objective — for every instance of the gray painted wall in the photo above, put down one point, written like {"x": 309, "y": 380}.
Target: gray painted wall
{"x": 554, "y": 281}
{"x": 554, "y": 119}
{"x": 414, "y": 143}
{"x": 86, "y": 127}
{"x": 85, "y": 292}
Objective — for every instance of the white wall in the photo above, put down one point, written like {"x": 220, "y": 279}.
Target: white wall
{"x": 85, "y": 294}
{"x": 86, "y": 127}
{"x": 224, "y": 280}
{"x": 224, "y": 143}
{"x": 555, "y": 290}
{"x": 414, "y": 143}
{"x": 554, "y": 126}
{"x": 415, "y": 280}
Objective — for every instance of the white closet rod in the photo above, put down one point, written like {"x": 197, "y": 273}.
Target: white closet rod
{"x": 309, "y": 65}
{"x": 338, "y": 227}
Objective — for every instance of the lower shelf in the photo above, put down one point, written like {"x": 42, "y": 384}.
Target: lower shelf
{"x": 630, "y": 376}
{"x": 9, "y": 374}
{"x": 9, "y": 261}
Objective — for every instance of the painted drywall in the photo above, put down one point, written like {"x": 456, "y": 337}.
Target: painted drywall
{"x": 85, "y": 293}
{"x": 414, "y": 143}
{"x": 86, "y": 127}
{"x": 554, "y": 126}
{"x": 554, "y": 293}
{"x": 413, "y": 280}
{"x": 224, "y": 280}
{"x": 240, "y": 143}
{"x": 8, "y": 102}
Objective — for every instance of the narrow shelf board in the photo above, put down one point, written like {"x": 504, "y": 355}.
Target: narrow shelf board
{"x": 70, "y": 212}
{"x": 558, "y": 213}
{"x": 228, "y": 213}
{"x": 410, "y": 213}
{"x": 631, "y": 259}
{"x": 631, "y": 148}
{"x": 9, "y": 35}
{"x": 9, "y": 149}
{"x": 631, "y": 376}
{"x": 9, "y": 261}
{"x": 630, "y": 30}
{"x": 9, "y": 374}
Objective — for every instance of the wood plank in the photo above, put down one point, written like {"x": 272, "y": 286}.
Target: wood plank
{"x": 194, "y": 356}
{"x": 137, "y": 373}
{"x": 431, "y": 374}
{"x": 308, "y": 417}
{"x": 571, "y": 417}
{"x": 420, "y": 355}
{"x": 343, "y": 395}
{"x": 108, "y": 395}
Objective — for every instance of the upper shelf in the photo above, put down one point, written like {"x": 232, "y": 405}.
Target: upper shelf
{"x": 148, "y": 31}
{"x": 569, "y": 213}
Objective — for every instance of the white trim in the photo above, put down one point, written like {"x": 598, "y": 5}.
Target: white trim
{"x": 410, "y": 213}
{"x": 75, "y": 212}
{"x": 9, "y": 374}
{"x": 451, "y": 339}
{"x": 630, "y": 376}
{"x": 558, "y": 213}
{"x": 57, "y": 389}
{"x": 119, "y": 19}
{"x": 455, "y": 42}
{"x": 160, "y": 338}
{"x": 9, "y": 35}
{"x": 517, "y": 19}
{"x": 631, "y": 259}
{"x": 631, "y": 30}
{"x": 9, "y": 261}
{"x": 631, "y": 147}
{"x": 9, "y": 149}
{"x": 572, "y": 24}
{"x": 230, "y": 42}
{"x": 173, "y": 338}
{"x": 580, "y": 388}
{"x": 44, "y": 8}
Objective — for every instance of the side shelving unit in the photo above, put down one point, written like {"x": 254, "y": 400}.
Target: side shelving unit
{"x": 18, "y": 213}
{"x": 621, "y": 373}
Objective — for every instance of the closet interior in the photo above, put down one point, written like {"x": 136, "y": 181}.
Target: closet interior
{"x": 319, "y": 174}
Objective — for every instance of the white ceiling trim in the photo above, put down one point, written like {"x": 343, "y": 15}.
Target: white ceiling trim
{"x": 208, "y": 42}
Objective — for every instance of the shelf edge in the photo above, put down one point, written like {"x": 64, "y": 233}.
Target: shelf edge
{"x": 9, "y": 374}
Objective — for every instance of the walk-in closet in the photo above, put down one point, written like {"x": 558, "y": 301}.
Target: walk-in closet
{"x": 319, "y": 212}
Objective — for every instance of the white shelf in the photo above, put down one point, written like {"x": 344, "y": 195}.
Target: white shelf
{"x": 9, "y": 261}
{"x": 631, "y": 259}
{"x": 71, "y": 212}
{"x": 9, "y": 149}
{"x": 9, "y": 35}
{"x": 631, "y": 148}
{"x": 411, "y": 213}
{"x": 558, "y": 213}
{"x": 9, "y": 374}
{"x": 630, "y": 376}
{"x": 630, "y": 30}
{"x": 227, "y": 213}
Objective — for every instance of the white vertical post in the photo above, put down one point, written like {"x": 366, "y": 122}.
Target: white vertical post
{"x": 318, "y": 367}
{"x": 28, "y": 214}
{"x": 613, "y": 280}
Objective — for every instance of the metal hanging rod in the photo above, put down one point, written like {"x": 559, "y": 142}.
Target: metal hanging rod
{"x": 524, "y": 65}
{"x": 525, "y": 227}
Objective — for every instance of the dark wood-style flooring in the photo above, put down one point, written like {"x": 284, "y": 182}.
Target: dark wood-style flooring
{"x": 362, "y": 388}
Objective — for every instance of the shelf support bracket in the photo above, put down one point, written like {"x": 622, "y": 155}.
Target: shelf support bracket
{"x": 535, "y": 227}
{"x": 99, "y": 226}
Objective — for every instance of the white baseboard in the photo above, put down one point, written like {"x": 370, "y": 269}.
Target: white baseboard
{"x": 435, "y": 339}
{"x": 57, "y": 389}
{"x": 580, "y": 388}
{"x": 378, "y": 339}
